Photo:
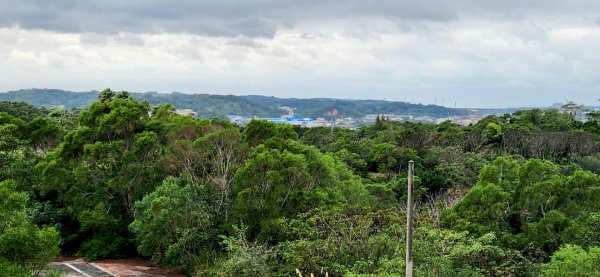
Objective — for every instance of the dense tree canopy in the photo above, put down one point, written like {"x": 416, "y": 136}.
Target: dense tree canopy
{"x": 513, "y": 195}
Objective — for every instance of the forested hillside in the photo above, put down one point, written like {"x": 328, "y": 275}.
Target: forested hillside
{"x": 354, "y": 108}
{"x": 517, "y": 195}
{"x": 206, "y": 105}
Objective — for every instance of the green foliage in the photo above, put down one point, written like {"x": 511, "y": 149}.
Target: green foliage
{"x": 492, "y": 133}
{"x": 384, "y": 196}
{"x": 572, "y": 260}
{"x": 99, "y": 170}
{"x": 286, "y": 178}
{"x": 317, "y": 200}
{"x": 590, "y": 163}
{"x": 115, "y": 118}
{"x": 21, "y": 110}
{"x": 588, "y": 230}
{"x": 529, "y": 203}
{"x": 174, "y": 225}
{"x": 259, "y": 131}
{"x": 339, "y": 242}
{"x": 373, "y": 244}
{"x": 550, "y": 120}
{"x": 45, "y": 133}
{"x": 485, "y": 208}
{"x": 12, "y": 132}
{"x": 108, "y": 233}
{"x": 245, "y": 258}
{"x": 25, "y": 249}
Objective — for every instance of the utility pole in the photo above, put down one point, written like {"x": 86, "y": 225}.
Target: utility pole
{"x": 409, "y": 220}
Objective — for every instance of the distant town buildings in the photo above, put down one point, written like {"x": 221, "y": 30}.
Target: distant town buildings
{"x": 347, "y": 122}
{"x": 293, "y": 120}
{"x": 186, "y": 112}
{"x": 462, "y": 120}
{"x": 351, "y": 122}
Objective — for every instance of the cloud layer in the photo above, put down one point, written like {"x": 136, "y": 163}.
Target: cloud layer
{"x": 260, "y": 18}
{"x": 491, "y": 53}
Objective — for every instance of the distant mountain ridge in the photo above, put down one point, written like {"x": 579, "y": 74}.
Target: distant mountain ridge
{"x": 354, "y": 108}
{"x": 210, "y": 105}
{"x": 205, "y": 105}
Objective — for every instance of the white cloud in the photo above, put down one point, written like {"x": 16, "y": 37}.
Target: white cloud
{"x": 349, "y": 57}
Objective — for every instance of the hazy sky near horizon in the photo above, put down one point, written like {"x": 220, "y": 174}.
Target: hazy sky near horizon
{"x": 469, "y": 52}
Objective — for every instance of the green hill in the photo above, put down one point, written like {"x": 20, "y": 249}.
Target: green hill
{"x": 50, "y": 98}
{"x": 355, "y": 108}
{"x": 207, "y": 105}
{"x": 204, "y": 104}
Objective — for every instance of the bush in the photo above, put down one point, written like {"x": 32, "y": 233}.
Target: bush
{"x": 174, "y": 225}
{"x": 25, "y": 249}
{"x": 245, "y": 258}
{"x": 572, "y": 260}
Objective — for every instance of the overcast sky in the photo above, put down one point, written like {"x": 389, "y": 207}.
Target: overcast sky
{"x": 469, "y": 52}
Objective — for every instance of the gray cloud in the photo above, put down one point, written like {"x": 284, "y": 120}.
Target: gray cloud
{"x": 475, "y": 52}
{"x": 245, "y": 41}
{"x": 130, "y": 39}
{"x": 259, "y": 18}
{"x": 93, "y": 39}
{"x": 137, "y": 16}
